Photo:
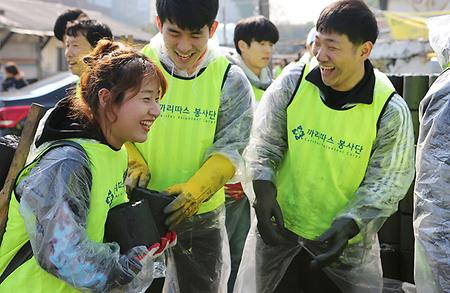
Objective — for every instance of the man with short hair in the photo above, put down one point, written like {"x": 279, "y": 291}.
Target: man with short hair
{"x": 81, "y": 37}
{"x": 195, "y": 145}
{"x": 254, "y": 40}
{"x": 331, "y": 154}
{"x": 59, "y": 28}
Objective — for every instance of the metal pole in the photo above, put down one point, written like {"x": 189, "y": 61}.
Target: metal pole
{"x": 224, "y": 17}
{"x": 264, "y": 8}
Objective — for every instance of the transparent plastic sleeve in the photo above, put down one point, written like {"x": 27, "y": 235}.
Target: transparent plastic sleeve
{"x": 432, "y": 190}
{"x": 54, "y": 205}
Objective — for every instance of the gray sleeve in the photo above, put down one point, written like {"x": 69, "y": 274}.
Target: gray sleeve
{"x": 432, "y": 188}
{"x": 390, "y": 170}
{"x": 235, "y": 117}
{"x": 54, "y": 205}
{"x": 268, "y": 139}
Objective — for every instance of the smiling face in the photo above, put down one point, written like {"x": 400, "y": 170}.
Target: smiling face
{"x": 256, "y": 55}
{"x": 341, "y": 62}
{"x": 76, "y": 48}
{"x": 185, "y": 47}
{"x": 135, "y": 114}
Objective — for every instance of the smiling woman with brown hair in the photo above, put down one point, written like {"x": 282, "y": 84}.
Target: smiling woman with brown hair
{"x": 62, "y": 198}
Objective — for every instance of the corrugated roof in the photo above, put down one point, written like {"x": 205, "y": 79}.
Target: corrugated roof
{"x": 36, "y": 17}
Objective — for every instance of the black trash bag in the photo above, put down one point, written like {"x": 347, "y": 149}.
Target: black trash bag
{"x": 131, "y": 224}
{"x": 157, "y": 202}
{"x": 8, "y": 146}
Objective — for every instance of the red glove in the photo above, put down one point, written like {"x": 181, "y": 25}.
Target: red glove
{"x": 167, "y": 241}
{"x": 234, "y": 190}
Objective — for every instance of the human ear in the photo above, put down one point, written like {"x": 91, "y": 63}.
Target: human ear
{"x": 366, "y": 49}
{"x": 158, "y": 23}
{"x": 104, "y": 96}
{"x": 242, "y": 45}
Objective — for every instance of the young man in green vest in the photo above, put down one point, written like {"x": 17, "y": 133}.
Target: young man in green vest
{"x": 254, "y": 40}
{"x": 194, "y": 147}
{"x": 331, "y": 154}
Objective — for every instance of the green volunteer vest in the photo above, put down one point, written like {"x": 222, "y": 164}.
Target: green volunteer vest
{"x": 258, "y": 93}
{"x": 327, "y": 157}
{"x": 108, "y": 168}
{"x": 177, "y": 142}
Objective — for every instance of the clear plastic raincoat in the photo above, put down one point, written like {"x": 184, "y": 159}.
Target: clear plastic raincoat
{"x": 54, "y": 205}
{"x": 432, "y": 187}
{"x": 389, "y": 174}
{"x": 204, "y": 265}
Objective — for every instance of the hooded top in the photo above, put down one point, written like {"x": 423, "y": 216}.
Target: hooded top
{"x": 61, "y": 125}
{"x": 261, "y": 82}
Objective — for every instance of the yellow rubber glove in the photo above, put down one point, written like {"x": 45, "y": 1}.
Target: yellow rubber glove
{"x": 213, "y": 174}
{"x": 138, "y": 174}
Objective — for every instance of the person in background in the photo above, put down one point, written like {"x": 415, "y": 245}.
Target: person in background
{"x": 59, "y": 28}
{"x": 54, "y": 234}
{"x": 13, "y": 78}
{"x": 309, "y": 55}
{"x": 81, "y": 37}
{"x": 254, "y": 40}
{"x": 195, "y": 146}
{"x": 331, "y": 154}
{"x": 432, "y": 186}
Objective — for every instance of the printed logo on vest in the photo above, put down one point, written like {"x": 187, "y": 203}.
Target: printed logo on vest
{"x": 116, "y": 191}
{"x": 187, "y": 113}
{"x": 326, "y": 141}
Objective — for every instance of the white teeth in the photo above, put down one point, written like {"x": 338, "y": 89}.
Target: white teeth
{"x": 327, "y": 67}
{"x": 184, "y": 56}
{"x": 146, "y": 123}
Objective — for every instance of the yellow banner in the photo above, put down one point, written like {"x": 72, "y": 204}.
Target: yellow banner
{"x": 410, "y": 26}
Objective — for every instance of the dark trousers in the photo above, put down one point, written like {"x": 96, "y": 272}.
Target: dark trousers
{"x": 237, "y": 221}
{"x": 299, "y": 278}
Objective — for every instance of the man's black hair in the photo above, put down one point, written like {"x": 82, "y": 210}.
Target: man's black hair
{"x": 257, "y": 28}
{"x": 92, "y": 29}
{"x": 59, "y": 29}
{"x": 349, "y": 17}
{"x": 188, "y": 14}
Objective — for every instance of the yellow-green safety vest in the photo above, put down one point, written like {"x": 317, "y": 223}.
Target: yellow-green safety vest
{"x": 258, "y": 93}
{"x": 108, "y": 168}
{"x": 327, "y": 157}
{"x": 178, "y": 140}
